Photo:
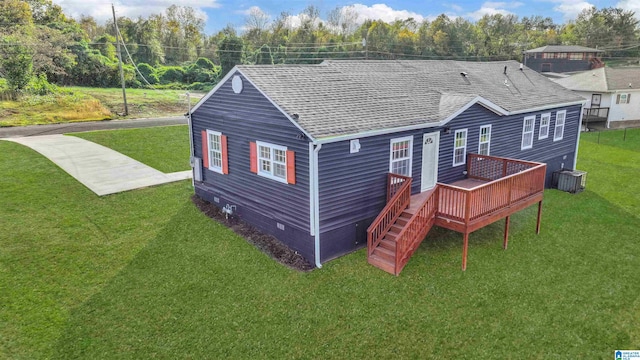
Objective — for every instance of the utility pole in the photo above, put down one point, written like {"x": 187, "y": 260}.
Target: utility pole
{"x": 124, "y": 92}
{"x": 366, "y": 50}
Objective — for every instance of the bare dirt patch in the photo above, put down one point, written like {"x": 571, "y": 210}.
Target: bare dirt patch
{"x": 265, "y": 243}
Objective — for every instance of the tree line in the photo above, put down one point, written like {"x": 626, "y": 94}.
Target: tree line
{"x": 40, "y": 45}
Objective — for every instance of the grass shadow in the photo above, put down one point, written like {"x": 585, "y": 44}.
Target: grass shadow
{"x": 197, "y": 290}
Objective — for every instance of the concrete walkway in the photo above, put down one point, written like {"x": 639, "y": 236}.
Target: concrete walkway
{"x": 102, "y": 170}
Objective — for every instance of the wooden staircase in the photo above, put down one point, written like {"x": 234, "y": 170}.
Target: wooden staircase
{"x": 401, "y": 226}
{"x": 384, "y": 255}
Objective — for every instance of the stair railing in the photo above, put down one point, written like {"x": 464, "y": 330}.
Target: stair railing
{"x": 415, "y": 230}
{"x": 399, "y": 195}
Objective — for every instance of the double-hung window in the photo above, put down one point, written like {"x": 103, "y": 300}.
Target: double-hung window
{"x": 527, "y": 132}
{"x": 460, "y": 147}
{"x": 214, "y": 151}
{"x": 558, "y": 132}
{"x": 623, "y": 98}
{"x": 543, "y": 133}
{"x": 401, "y": 155}
{"x": 484, "y": 141}
{"x": 272, "y": 161}
{"x": 214, "y": 139}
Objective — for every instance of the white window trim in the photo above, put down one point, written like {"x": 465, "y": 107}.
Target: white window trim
{"x": 463, "y": 147}
{"x": 524, "y": 126}
{"x": 269, "y": 174}
{"x": 406, "y": 138}
{"x": 555, "y": 128}
{"x": 210, "y": 149}
{"x": 488, "y": 142}
{"x": 625, "y": 100}
{"x": 542, "y": 117}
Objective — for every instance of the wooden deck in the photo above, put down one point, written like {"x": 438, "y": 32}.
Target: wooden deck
{"x": 494, "y": 189}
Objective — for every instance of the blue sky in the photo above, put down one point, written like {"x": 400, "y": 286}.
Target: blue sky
{"x": 219, "y": 13}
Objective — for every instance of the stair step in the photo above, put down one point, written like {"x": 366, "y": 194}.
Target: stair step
{"x": 388, "y": 244}
{"x": 385, "y": 254}
{"x": 382, "y": 264}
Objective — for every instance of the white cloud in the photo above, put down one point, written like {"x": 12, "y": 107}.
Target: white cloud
{"x": 633, "y": 5}
{"x": 502, "y": 4}
{"x": 130, "y": 8}
{"x": 571, "y": 8}
{"x": 254, "y": 10}
{"x": 384, "y": 13}
{"x": 492, "y": 8}
{"x": 295, "y": 21}
{"x": 454, "y": 7}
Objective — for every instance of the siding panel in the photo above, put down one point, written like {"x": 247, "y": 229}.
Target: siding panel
{"x": 353, "y": 186}
{"x": 506, "y": 139}
{"x": 249, "y": 117}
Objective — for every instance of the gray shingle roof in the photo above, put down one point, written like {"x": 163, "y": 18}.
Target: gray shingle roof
{"x": 603, "y": 80}
{"x": 562, "y": 48}
{"x": 349, "y": 97}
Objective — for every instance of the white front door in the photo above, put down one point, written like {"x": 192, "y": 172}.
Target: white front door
{"x": 430, "y": 144}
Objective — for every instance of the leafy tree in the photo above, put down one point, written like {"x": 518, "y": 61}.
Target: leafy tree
{"x": 17, "y": 65}
{"x": 264, "y": 56}
{"x": 14, "y": 14}
{"x": 230, "y": 51}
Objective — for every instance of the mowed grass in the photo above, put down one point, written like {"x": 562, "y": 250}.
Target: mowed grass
{"x": 144, "y": 274}
{"x": 163, "y": 148}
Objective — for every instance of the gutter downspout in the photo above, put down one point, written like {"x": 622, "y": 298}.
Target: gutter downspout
{"x": 316, "y": 204}
{"x": 575, "y": 159}
{"x": 191, "y": 152}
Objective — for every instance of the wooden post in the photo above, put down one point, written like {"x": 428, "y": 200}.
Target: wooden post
{"x": 506, "y": 232}
{"x": 539, "y": 217}
{"x": 465, "y": 245}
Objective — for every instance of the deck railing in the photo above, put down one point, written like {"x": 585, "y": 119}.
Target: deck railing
{"x": 398, "y": 199}
{"x": 510, "y": 181}
{"x": 595, "y": 113}
{"x": 416, "y": 229}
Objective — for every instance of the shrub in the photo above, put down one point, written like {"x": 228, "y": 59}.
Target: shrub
{"x": 169, "y": 74}
{"x": 146, "y": 70}
{"x": 40, "y": 86}
{"x": 205, "y": 64}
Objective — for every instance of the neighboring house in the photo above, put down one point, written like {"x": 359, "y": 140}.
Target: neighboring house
{"x": 562, "y": 59}
{"x": 303, "y": 152}
{"x": 612, "y": 94}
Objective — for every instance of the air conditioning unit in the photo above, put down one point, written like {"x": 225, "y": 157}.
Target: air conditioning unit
{"x": 573, "y": 181}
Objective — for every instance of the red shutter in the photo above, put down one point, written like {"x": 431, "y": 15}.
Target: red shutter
{"x": 205, "y": 150}
{"x": 253, "y": 157}
{"x": 225, "y": 159}
{"x": 291, "y": 167}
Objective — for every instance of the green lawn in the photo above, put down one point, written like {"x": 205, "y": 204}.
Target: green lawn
{"x": 143, "y": 275}
{"x": 163, "y": 148}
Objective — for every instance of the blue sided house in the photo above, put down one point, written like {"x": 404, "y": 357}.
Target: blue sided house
{"x": 330, "y": 157}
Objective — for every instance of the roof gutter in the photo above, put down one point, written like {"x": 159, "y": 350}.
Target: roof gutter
{"x": 575, "y": 157}
{"x": 492, "y": 107}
